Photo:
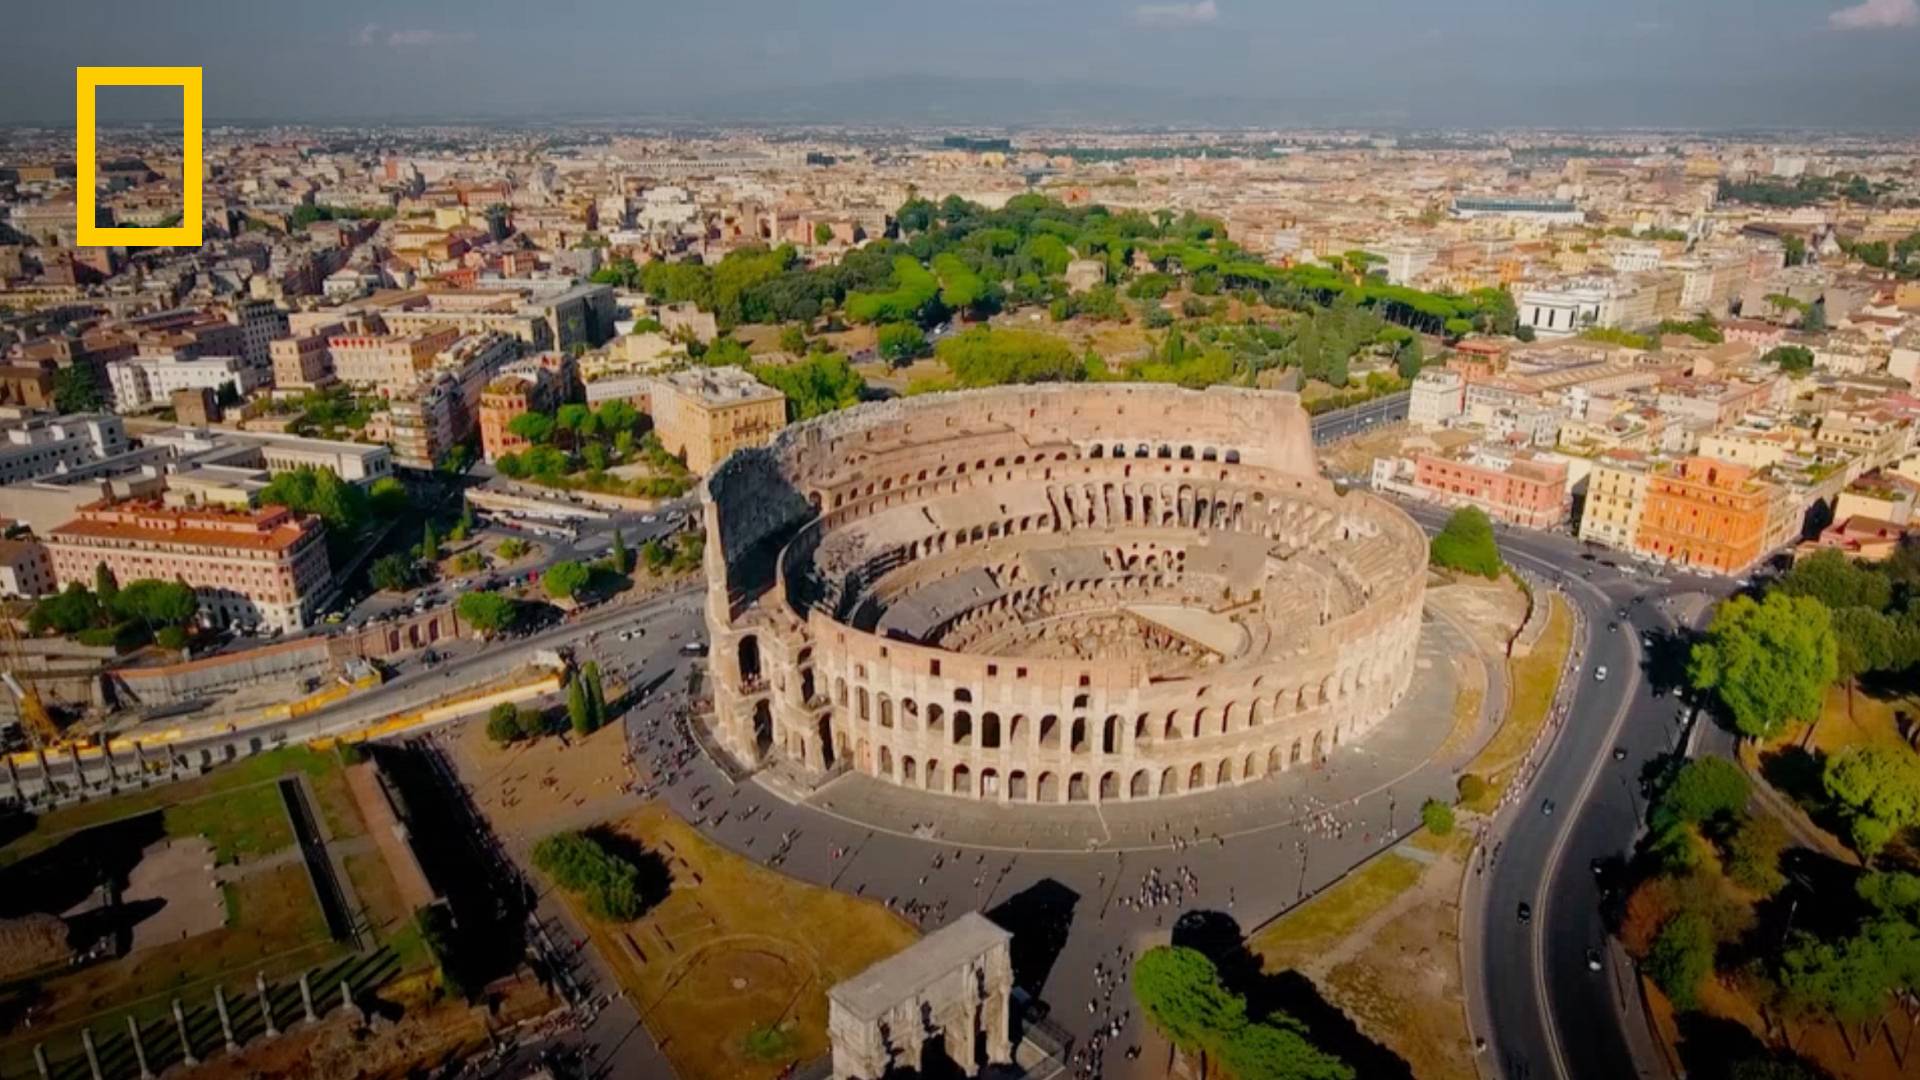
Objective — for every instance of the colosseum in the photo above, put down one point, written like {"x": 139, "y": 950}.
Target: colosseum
{"x": 1053, "y": 594}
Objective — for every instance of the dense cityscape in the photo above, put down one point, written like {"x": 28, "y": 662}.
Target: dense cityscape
{"x": 767, "y": 598}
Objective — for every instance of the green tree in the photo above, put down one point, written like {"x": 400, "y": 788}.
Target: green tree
{"x": 106, "y": 587}
{"x": 565, "y": 579}
{"x": 1838, "y": 582}
{"x": 341, "y": 504}
{"x": 622, "y": 558}
{"x": 1753, "y": 854}
{"x": 429, "y": 544}
{"x": 982, "y": 356}
{"x": 1466, "y": 544}
{"x": 503, "y": 723}
{"x": 536, "y": 428}
{"x": 655, "y": 555}
{"x": 387, "y": 497}
{"x": 156, "y": 603}
{"x": 1681, "y": 958}
{"x": 1877, "y": 789}
{"x": 487, "y": 612}
{"x": 1768, "y": 663}
{"x": 820, "y": 384}
{"x": 823, "y": 233}
{"x": 577, "y": 862}
{"x": 596, "y": 694}
{"x": 1795, "y": 359}
{"x": 900, "y": 342}
{"x": 1437, "y": 817}
{"x": 793, "y": 339}
{"x": 1180, "y": 991}
{"x": 76, "y": 389}
{"x": 1705, "y": 789}
{"x": 579, "y": 709}
{"x": 393, "y": 572}
{"x": 69, "y": 611}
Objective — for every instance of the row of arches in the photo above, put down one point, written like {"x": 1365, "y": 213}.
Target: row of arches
{"x": 1112, "y": 785}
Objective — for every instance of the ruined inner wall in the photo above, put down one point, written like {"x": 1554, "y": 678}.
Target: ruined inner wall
{"x": 990, "y": 504}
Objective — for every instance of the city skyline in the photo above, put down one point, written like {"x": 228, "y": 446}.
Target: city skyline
{"x": 1717, "y": 65}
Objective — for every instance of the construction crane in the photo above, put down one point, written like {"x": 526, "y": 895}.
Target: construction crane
{"x": 34, "y": 717}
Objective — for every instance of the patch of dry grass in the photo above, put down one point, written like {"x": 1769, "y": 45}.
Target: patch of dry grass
{"x": 1532, "y": 680}
{"x": 1335, "y": 912}
{"x": 737, "y": 952}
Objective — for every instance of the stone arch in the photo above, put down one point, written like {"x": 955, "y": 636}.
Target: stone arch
{"x": 1017, "y": 785}
{"x": 936, "y": 777}
{"x": 936, "y": 720}
{"x": 1047, "y": 788}
{"x": 962, "y": 780}
{"x": 1196, "y": 777}
{"x": 909, "y": 770}
{"x": 1319, "y": 746}
{"x": 1110, "y": 736}
{"x": 749, "y": 659}
{"x": 1293, "y": 757}
{"x": 886, "y": 711}
{"x": 1078, "y": 743}
{"x": 762, "y": 727}
{"x": 886, "y": 761}
{"x": 1109, "y": 786}
{"x": 962, "y": 727}
{"x": 1169, "y": 781}
{"x": 1223, "y": 775}
{"x": 989, "y": 783}
{"x": 1077, "y": 787}
{"x": 1250, "y": 768}
{"x": 990, "y": 731}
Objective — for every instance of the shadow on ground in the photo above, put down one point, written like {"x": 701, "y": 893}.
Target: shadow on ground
{"x": 1219, "y": 936}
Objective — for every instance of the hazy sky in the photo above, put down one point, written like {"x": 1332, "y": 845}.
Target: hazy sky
{"x": 1416, "y": 62}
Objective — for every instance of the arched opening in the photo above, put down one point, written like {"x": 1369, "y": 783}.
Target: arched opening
{"x": 1319, "y": 746}
{"x": 1017, "y": 785}
{"x": 1224, "y": 774}
{"x": 1110, "y": 736}
{"x": 1169, "y": 781}
{"x": 762, "y": 728}
{"x": 1293, "y": 758}
{"x": 909, "y": 769}
{"x": 1078, "y": 744}
{"x": 1196, "y": 777}
{"x": 886, "y": 762}
{"x": 1047, "y": 788}
{"x": 1109, "y": 786}
{"x": 989, "y": 784}
{"x": 749, "y": 659}
{"x": 1140, "y": 786}
{"x": 962, "y": 727}
{"x": 990, "y": 731}
{"x": 826, "y": 742}
{"x": 962, "y": 780}
{"x": 1077, "y": 787}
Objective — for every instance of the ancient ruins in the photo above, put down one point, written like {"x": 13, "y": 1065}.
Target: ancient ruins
{"x": 1054, "y": 594}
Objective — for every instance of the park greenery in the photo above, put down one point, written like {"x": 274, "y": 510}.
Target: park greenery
{"x": 1466, "y": 544}
{"x": 1437, "y": 817}
{"x": 956, "y": 258}
{"x": 508, "y": 723}
{"x": 586, "y": 700}
{"x": 566, "y": 579}
{"x": 608, "y": 884}
{"x": 76, "y": 389}
{"x": 1767, "y": 662}
{"x": 346, "y": 508}
{"x": 1181, "y": 992}
{"x": 575, "y": 448}
{"x": 1901, "y": 256}
{"x": 488, "y": 612}
{"x": 1792, "y": 359}
{"x": 110, "y": 614}
{"x": 1803, "y": 191}
{"x": 819, "y": 384}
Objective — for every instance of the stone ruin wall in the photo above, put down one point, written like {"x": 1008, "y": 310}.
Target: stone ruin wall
{"x": 793, "y": 681}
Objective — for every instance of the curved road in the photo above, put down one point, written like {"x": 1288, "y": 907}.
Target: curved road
{"x": 1532, "y": 995}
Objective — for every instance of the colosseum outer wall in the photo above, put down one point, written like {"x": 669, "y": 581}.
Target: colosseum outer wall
{"x": 1069, "y": 465}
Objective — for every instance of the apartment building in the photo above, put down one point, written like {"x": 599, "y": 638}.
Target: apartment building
{"x": 44, "y": 446}
{"x": 520, "y": 389}
{"x": 705, "y": 414}
{"x": 1438, "y": 399}
{"x": 304, "y": 361}
{"x": 1517, "y": 487}
{"x": 26, "y": 570}
{"x": 1707, "y": 515}
{"x": 265, "y": 567}
{"x": 1616, "y": 498}
{"x": 388, "y": 361}
{"x": 144, "y": 382}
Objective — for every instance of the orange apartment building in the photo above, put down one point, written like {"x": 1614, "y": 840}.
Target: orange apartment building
{"x": 527, "y": 388}
{"x": 389, "y": 361}
{"x": 1517, "y": 487}
{"x": 1706, "y": 514}
{"x": 266, "y": 567}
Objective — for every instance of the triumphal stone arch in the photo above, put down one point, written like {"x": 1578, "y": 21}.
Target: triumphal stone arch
{"x": 948, "y": 993}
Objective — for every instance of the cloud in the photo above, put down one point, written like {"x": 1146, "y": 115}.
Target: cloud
{"x": 1876, "y": 15}
{"x": 1198, "y": 13}
{"x": 404, "y": 39}
{"x": 371, "y": 34}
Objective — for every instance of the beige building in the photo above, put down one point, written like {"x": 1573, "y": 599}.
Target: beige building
{"x": 264, "y": 567}
{"x": 302, "y": 362}
{"x": 391, "y": 361}
{"x": 705, "y": 414}
{"x": 1616, "y": 495}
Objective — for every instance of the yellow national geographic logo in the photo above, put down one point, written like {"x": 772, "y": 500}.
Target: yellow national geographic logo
{"x": 87, "y": 80}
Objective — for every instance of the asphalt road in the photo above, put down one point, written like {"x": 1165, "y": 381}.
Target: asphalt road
{"x": 1532, "y": 994}
{"x": 1344, "y": 423}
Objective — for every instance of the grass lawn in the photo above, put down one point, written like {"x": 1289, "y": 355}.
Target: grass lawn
{"x": 1334, "y": 914}
{"x": 731, "y": 970}
{"x": 242, "y": 823}
{"x": 323, "y": 767}
{"x": 274, "y": 925}
{"x": 1532, "y": 680}
{"x": 1867, "y": 721}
